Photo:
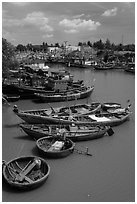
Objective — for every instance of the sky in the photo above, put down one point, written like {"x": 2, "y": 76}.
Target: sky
{"x": 51, "y": 22}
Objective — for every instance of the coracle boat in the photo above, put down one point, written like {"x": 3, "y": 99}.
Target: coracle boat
{"x": 65, "y": 96}
{"x": 56, "y": 147}
{"x": 40, "y": 115}
{"x": 73, "y": 132}
{"x": 25, "y": 172}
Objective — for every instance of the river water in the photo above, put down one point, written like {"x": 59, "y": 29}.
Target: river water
{"x": 107, "y": 176}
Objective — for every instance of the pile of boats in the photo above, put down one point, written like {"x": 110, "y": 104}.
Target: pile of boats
{"x": 52, "y": 87}
{"x": 55, "y": 131}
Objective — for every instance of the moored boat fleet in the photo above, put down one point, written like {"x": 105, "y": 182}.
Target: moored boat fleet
{"x": 56, "y": 130}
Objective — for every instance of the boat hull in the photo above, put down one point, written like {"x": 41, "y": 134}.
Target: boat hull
{"x": 12, "y": 98}
{"x": 22, "y": 161}
{"x": 79, "y": 120}
{"x": 64, "y": 97}
{"x": 77, "y": 135}
{"x": 54, "y": 154}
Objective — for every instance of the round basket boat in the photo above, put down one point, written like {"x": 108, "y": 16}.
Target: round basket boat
{"x": 55, "y": 147}
{"x": 26, "y": 172}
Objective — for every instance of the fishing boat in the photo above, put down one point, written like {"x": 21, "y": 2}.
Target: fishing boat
{"x": 28, "y": 84}
{"x": 56, "y": 147}
{"x": 103, "y": 66}
{"x": 73, "y": 132}
{"x": 11, "y": 97}
{"x": 97, "y": 118}
{"x": 92, "y": 119}
{"x": 40, "y": 115}
{"x": 115, "y": 107}
{"x": 109, "y": 105}
{"x": 26, "y": 172}
{"x": 130, "y": 69}
{"x": 65, "y": 96}
{"x": 80, "y": 109}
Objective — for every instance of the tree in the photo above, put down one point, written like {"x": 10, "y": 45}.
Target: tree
{"x": 99, "y": 45}
{"x": 29, "y": 47}
{"x": 108, "y": 44}
{"x": 106, "y": 57}
{"x": 8, "y": 57}
{"x": 20, "y": 47}
{"x": 80, "y": 44}
{"x": 120, "y": 47}
{"x": 57, "y": 44}
{"x": 89, "y": 44}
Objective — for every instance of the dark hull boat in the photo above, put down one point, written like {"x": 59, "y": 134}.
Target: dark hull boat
{"x": 27, "y": 92}
{"x": 73, "y": 132}
{"x": 12, "y": 97}
{"x": 65, "y": 96}
{"x": 55, "y": 147}
{"x": 9, "y": 88}
{"x": 26, "y": 173}
{"x": 103, "y": 67}
{"x": 39, "y": 115}
{"x": 130, "y": 70}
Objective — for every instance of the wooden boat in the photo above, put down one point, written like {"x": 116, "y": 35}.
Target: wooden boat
{"x": 100, "y": 117}
{"x": 103, "y": 67}
{"x": 73, "y": 132}
{"x": 92, "y": 119}
{"x": 115, "y": 107}
{"x": 65, "y": 96}
{"x": 52, "y": 85}
{"x": 26, "y": 172}
{"x": 39, "y": 115}
{"x": 79, "y": 109}
{"x": 109, "y": 105}
{"x": 11, "y": 97}
{"x": 130, "y": 69}
{"x": 55, "y": 147}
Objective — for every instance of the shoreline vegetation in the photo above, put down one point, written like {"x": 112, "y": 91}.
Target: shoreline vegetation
{"x": 85, "y": 54}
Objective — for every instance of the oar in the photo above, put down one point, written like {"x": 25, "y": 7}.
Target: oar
{"x": 82, "y": 152}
